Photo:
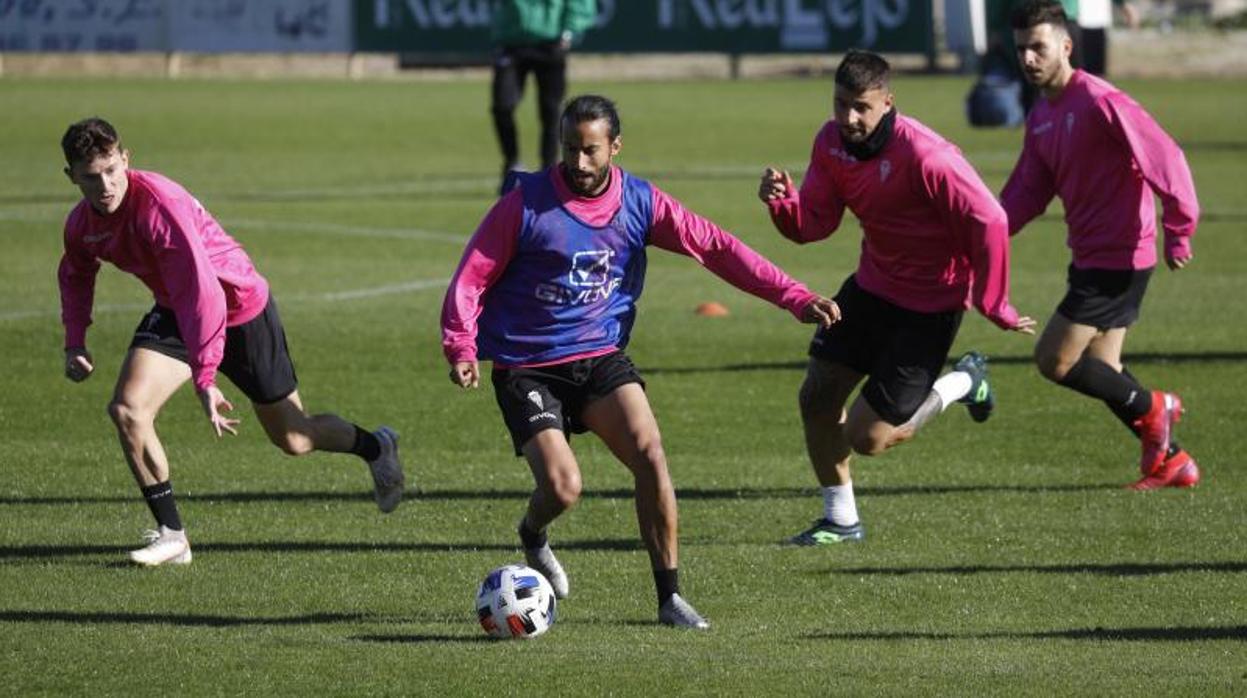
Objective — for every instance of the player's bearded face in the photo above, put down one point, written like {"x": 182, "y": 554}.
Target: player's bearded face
{"x": 587, "y": 154}
{"x": 102, "y": 181}
{"x": 1043, "y": 52}
{"x": 858, "y": 113}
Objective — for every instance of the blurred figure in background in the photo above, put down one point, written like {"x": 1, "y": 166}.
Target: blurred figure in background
{"x": 533, "y": 36}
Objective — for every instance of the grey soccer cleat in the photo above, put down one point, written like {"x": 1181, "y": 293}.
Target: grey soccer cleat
{"x": 387, "y": 472}
{"x": 543, "y": 560}
{"x": 824, "y": 532}
{"x": 679, "y": 613}
{"x": 981, "y": 399}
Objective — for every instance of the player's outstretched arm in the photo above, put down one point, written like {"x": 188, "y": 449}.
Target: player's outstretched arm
{"x": 214, "y": 403}
{"x": 78, "y": 364}
{"x": 466, "y": 374}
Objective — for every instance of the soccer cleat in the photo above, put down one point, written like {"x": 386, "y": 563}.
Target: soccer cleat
{"x": 387, "y": 472}
{"x": 981, "y": 399}
{"x": 679, "y": 613}
{"x": 824, "y": 532}
{"x": 543, "y": 560}
{"x": 1178, "y": 470}
{"x": 1155, "y": 429}
{"x": 164, "y": 546}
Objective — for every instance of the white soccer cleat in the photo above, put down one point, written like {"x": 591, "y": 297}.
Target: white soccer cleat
{"x": 681, "y": 614}
{"x": 165, "y": 546}
{"x": 387, "y": 472}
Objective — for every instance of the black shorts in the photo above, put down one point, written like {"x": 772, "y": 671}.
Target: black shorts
{"x": 553, "y": 397}
{"x": 903, "y": 351}
{"x": 256, "y": 359}
{"x": 1104, "y": 298}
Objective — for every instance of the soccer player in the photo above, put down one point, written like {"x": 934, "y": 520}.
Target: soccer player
{"x": 547, "y": 290}
{"x": 213, "y": 313}
{"x": 934, "y": 240}
{"x": 1096, "y": 148}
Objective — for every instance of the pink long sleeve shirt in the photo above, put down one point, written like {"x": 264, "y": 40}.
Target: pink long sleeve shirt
{"x": 1098, "y": 150}
{"x": 498, "y": 240}
{"x": 162, "y": 235}
{"x": 934, "y": 237}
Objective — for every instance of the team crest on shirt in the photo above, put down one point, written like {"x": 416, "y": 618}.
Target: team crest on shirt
{"x": 885, "y": 169}
{"x": 591, "y": 268}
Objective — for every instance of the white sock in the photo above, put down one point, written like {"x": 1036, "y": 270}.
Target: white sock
{"x": 839, "y": 506}
{"x": 951, "y": 387}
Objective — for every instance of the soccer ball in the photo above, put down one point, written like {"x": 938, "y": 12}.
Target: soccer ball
{"x": 515, "y": 601}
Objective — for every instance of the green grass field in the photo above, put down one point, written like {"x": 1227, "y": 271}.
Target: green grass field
{"x": 1002, "y": 558}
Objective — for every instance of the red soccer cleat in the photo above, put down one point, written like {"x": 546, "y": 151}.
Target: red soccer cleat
{"x": 1179, "y": 470}
{"x": 1155, "y": 428}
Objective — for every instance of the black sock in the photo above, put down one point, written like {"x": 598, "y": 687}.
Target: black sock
{"x": 160, "y": 500}
{"x": 1127, "y": 417}
{"x": 1124, "y": 415}
{"x": 366, "y": 445}
{"x": 668, "y": 584}
{"x": 531, "y": 539}
{"x": 1097, "y": 379}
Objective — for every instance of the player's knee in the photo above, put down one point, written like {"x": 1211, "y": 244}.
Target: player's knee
{"x": 866, "y": 442}
{"x": 293, "y": 443}
{"x": 565, "y": 489}
{"x": 651, "y": 458}
{"x": 127, "y": 417}
{"x": 1052, "y": 366}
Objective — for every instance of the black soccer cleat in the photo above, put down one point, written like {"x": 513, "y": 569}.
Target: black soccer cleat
{"x": 981, "y": 399}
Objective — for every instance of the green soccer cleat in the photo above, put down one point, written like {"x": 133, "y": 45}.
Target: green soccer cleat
{"x": 981, "y": 400}
{"x": 824, "y": 532}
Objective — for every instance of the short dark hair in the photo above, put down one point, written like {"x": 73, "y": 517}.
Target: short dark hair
{"x": 860, "y": 71}
{"x": 88, "y": 139}
{"x": 591, "y": 108}
{"x": 1032, "y": 13}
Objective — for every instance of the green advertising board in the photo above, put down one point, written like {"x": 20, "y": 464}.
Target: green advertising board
{"x": 683, "y": 26}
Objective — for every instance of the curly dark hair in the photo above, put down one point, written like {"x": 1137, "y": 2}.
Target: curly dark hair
{"x": 88, "y": 139}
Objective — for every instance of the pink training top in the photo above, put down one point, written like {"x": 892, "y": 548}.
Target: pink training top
{"x": 672, "y": 228}
{"x": 164, "y": 236}
{"x": 1098, "y": 150}
{"x": 934, "y": 238}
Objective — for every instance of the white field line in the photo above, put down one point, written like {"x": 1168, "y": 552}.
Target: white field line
{"x": 326, "y": 297}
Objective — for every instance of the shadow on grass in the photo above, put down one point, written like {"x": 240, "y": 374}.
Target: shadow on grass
{"x": 1233, "y": 632}
{"x": 19, "y": 552}
{"x": 1147, "y": 357}
{"x": 684, "y": 493}
{"x": 1117, "y": 569}
{"x": 188, "y": 620}
{"x": 421, "y": 639}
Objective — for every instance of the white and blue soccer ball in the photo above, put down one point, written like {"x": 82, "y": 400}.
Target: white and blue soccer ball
{"x": 515, "y": 601}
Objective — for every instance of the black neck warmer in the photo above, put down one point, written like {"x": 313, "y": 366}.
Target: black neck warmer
{"x": 876, "y": 141}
